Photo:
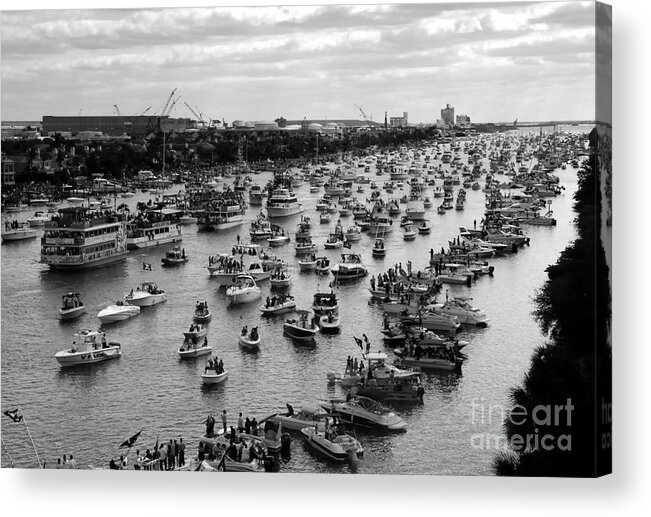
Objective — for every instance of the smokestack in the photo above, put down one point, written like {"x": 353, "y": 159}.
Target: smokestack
{"x": 385, "y": 120}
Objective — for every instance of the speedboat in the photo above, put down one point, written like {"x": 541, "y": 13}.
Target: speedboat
{"x": 301, "y": 328}
{"x": 118, "y": 312}
{"x": 334, "y": 446}
{"x": 39, "y": 219}
{"x": 71, "y": 306}
{"x": 201, "y": 312}
{"x": 249, "y": 340}
{"x": 280, "y": 278}
{"x": 322, "y": 265}
{"x": 278, "y": 240}
{"x": 460, "y": 308}
{"x": 379, "y": 248}
{"x": 196, "y": 332}
{"x": 365, "y": 412}
{"x": 324, "y": 218}
{"x": 354, "y": 233}
{"x": 304, "y": 245}
{"x": 89, "y": 350}
{"x": 145, "y": 295}
{"x": 424, "y": 227}
{"x": 193, "y": 348}
{"x": 349, "y": 267}
{"x": 303, "y": 416}
{"x": 329, "y": 323}
{"x": 245, "y": 290}
{"x": 325, "y": 303}
{"x": 335, "y": 241}
{"x": 308, "y": 263}
{"x": 408, "y": 233}
{"x": 20, "y": 232}
{"x": 212, "y": 377}
{"x": 174, "y": 256}
{"x": 275, "y": 306}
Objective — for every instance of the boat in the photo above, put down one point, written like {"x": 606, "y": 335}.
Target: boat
{"x": 329, "y": 323}
{"x": 244, "y": 290}
{"x": 195, "y": 332}
{"x": 461, "y": 308}
{"x": 18, "y": 232}
{"x": 380, "y": 224}
{"x": 324, "y": 218}
{"x": 332, "y": 444}
{"x": 304, "y": 245}
{"x": 71, "y": 306}
{"x": 256, "y": 195}
{"x": 88, "y": 349}
{"x": 349, "y": 267}
{"x": 325, "y": 303}
{"x": 458, "y": 274}
{"x": 192, "y": 348}
{"x": 299, "y": 418}
{"x": 243, "y": 259}
{"x": 214, "y": 376}
{"x": 227, "y": 214}
{"x": 153, "y": 228}
{"x": 279, "y": 304}
{"x": 436, "y": 357}
{"x": 78, "y": 238}
{"x": 278, "y": 239}
{"x": 282, "y": 201}
{"x": 39, "y": 219}
{"x": 249, "y": 340}
{"x": 424, "y": 228}
{"x": 188, "y": 219}
{"x": 366, "y": 412}
{"x": 354, "y": 233}
{"x": 145, "y": 295}
{"x": 379, "y": 248}
{"x": 301, "y": 328}
{"x": 322, "y": 265}
{"x": 335, "y": 241}
{"x": 308, "y": 263}
{"x": 408, "y": 233}
{"x": 174, "y": 257}
{"x": 119, "y": 311}
{"x": 280, "y": 278}
{"x": 405, "y": 221}
{"x": 432, "y": 320}
{"x": 201, "y": 312}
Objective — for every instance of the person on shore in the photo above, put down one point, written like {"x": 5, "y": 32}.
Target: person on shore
{"x": 181, "y": 450}
{"x": 71, "y": 463}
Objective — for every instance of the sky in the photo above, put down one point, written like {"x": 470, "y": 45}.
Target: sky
{"x": 492, "y": 61}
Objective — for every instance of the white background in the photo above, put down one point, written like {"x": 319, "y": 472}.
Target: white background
{"x": 623, "y": 493}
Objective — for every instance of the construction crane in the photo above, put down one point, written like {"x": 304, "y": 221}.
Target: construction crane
{"x": 167, "y": 103}
{"x": 143, "y": 112}
{"x": 198, "y": 117}
{"x": 117, "y": 110}
{"x": 366, "y": 119}
{"x": 171, "y": 107}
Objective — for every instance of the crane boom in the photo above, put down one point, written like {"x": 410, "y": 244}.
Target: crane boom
{"x": 167, "y": 103}
{"x": 117, "y": 110}
{"x": 143, "y": 112}
{"x": 169, "y": 110}
{"x": 362, "y": 112}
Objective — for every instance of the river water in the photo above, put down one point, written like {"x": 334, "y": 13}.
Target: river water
{"x": 89, "y": 411}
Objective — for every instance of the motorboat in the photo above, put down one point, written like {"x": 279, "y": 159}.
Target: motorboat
{"x": 325, "y": 303}
{"x": 201, "y": 312}
{"x": 324, "y": 218}
{"x": 71, "y": 306}
{"x": 192, "y": 348}
{"x": 335, "y": 241}
{"x": 354, "y": 233}
{"x": 405, "y": 221}
{"x": 301, "y": 417}
{"x": 408, "y": 233}
{"x": 145, "y": 295}
{"x": 432, "y": 320}
{"x": 443, "y": 358}
{"x": 174, "y": 257}
{"x": 278, "y": 240}
{"x": 424, "y": 228}
{"x": 39, "y": 219}
{"x": 280, "y": 278}
{"x": 458, "y": 274}
{"x": 301, "y": 328}
{"x": 249, "y": 340}
{"x": 339, "y": 447}
{"x": 243, "y": 259}
{"x": 461, "y": 308}
{"x": 212, "y": 377}
{"x": 349, "y": 267}
{"x": 18, "y": 232}
{"x": 88, "y": 349}
{"x": 322, "y": 265}
{"x": 119, "y": 311}
{"x": 307, "y": 263}
{"x": 245, "y": 290}
{"x": 196, "y": 331}
{"x": 329, "y": 323}
{"x": 379, "y": 248}
{"x": 384, "y": 381}
{"x": 304, "y": 245}
{"x": 278, "y": 305}
{"x": 366, "y": 412}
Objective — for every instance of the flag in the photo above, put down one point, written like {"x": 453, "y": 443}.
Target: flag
{"x": 359, "y": 343}
{"x": 13, "y": 414}
{"x": 131, "y": 441}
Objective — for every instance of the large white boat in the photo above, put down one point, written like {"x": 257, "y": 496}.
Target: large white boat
{"x": 381, "y": 224}
{"x": 415, "y": 209}
{"x": 154, "y": 227}
{"x": 349, "y": 267}
{"x": 118, "y": 312}
{"x": 243, "y": 259}
{"x": 339, "y": 447}
{"x": 81, "y": 238}
{"x": 365, "y": 412}
{"x": 461, "y": 309}
{"x": 282, "y": 202}
{"x": 145, "y": 295}
{"x": 18, "y": 232}
{"x": 87, "y": 349}
{"x": 256, "y": 195}
{"x": 243, "y": 291}
{"x": 223, "y": 217}
{"x": 71, "y": 306}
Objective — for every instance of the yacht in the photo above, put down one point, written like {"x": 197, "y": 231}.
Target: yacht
{"x": 462, "y": 309}
{"x": 349, "y": 267}
{"x": 365, "y": 412}
{"x": 243, "y": 291}
{"x": 146, "y": 295}
{"x": 221, "y": 218}
{"x": 154, "y": 227}
{"x": 282, "y": 201}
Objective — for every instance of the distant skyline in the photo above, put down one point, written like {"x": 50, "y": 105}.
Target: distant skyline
{"x": 492, "y": 61}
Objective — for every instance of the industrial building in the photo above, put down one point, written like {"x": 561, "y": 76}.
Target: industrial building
{"x": 447, "y": 115}
{"x": 399, "y": 121}
{"x": 114, "y": 125}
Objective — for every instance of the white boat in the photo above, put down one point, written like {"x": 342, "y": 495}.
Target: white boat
{"x": 188, "y": 219}
{"x": 71, "y": 306}
{"x": 275, "y": 306}
{"x": 282, "y": 202}
{"x": 379, "y": 248}
{"x": 88, "y": 349}
{"x": 424, "y": 227}
{"x": 249, "y": 340}
{"x": 39, "y": 219}
{"x": 432, "y": 320}
{"x": 118, "y": 312}
{"x": 304, "y": 245}
{"x": 244, "y": 290}
{"x": 227, "y": 215}
{"x": 174, "y": 257}
{"x": 301, "y": 328}
{"x": 243, "y": 259}
{"x": 190, "y": 349}
{"x": 196, "y": 332}
{"x": 145, "y": 295}
{"x": 462, "y": 309}
{"x": 354, "y": 233}
{"x": 331, "y": 444}
{"x": 308, "y": 263}
{"x": 201, "y": 312}
{"x": 212, "y": 377}
{"x": 408, "y": 233}
{"x": 325, "y": 303}
{"x": 324, "y": 218}
{"x": 329, "y": 323}
{"x": 299, "y": 418}
{"x": 349, "y": 267}
{"x": 278, "y": 240}
{"x": 153, "y": 228}
{"x": 335, "y": 241}
{"x": 322, "y": 265}
{"x": 280, "y": 279}
{"x": 20, "y": 232}
{"x": 365, "y": 412}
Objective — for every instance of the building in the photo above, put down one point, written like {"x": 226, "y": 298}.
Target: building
{"x": 399, "y": 121}
{"x": 447, "y": 114}
{"x": 113, "y": 125}
{"x": 463, "y": 120}
{"x": 8, "y": 171}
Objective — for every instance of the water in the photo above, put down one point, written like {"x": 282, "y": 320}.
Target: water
{"x": 89, "y": 411}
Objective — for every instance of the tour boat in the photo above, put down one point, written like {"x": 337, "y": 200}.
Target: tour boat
{"x": 408, "y": 233}
{"x": 322, "y": 265}
{"x": 379, "y": 248}
{"x": 288, "y": 305}
{"x": 78, "y": 238}
{"x": 282, "y": 202}
{"x": 87, "y": 349}
{"x": 334, "y": 446}
{"x": 39, "y": 219}
{"x": 118, "y": 312}
{"x": 245, "y": 290}
{"x": 196, "y": 332}
{"x": 153, "y": 228}
{"x": 71, "y": 306}
{"x": 365, "y": 412}
{"x": 222, "y": 217}
{"x": 145, "y": 295}
{"x": 201, "y": 312}
{"x": 249, "y": 340}
{"x": 21, "y": 232}
{"x": 350, "y": 267}
{"x": 174, "y": 257}
{"x": 301, "y": 328}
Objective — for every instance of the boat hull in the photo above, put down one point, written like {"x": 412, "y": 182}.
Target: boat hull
{"x": 71, "y": 314}
{"x": 143, "y": 243}
{"x": 194, "y": 352}
{"x": 214, "y": 378}
{"x": 109, "y": 259}
{"x": 147, "y": 301}
{"x": 68, "y": 359}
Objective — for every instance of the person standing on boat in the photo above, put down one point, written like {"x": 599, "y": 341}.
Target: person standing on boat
{"x": 240, "y": 424}
{"x": 224, "y": 421}
{"x": 104, "y": 340}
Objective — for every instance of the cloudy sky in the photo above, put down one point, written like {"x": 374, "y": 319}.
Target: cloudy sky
{"x": 492, "y": 61}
